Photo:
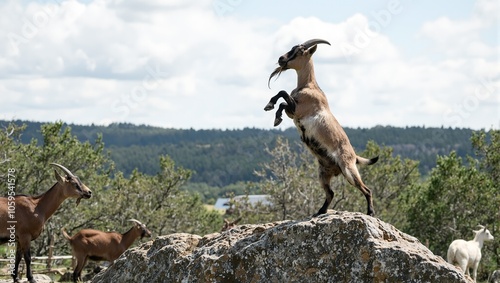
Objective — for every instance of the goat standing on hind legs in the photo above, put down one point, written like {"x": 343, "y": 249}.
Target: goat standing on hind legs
{"x": 26, "y": 222}
{"x": 308, "y": 106}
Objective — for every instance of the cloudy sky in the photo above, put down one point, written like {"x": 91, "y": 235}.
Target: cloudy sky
{"x": 204, "y": 64}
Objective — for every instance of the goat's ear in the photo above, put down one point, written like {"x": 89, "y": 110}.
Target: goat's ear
{"x": 60, "y": 179}
{"x": 312, "y": 50}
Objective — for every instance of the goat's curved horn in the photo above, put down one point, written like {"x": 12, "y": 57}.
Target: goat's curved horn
{"x": 135, "y": 221}
{"x": 310, "y": 43}
{"x": 66, "y": 170}
{"x": 480, "y": 226}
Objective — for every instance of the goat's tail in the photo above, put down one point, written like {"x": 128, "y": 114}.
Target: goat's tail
{"x": 450, "y": 256}
{"x": 65, "y": 234}
{"x": 366, "y": 161}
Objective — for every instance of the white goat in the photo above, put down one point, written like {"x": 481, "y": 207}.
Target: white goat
{"x": 467, "y": 254}
{"x": 308, "y": 106}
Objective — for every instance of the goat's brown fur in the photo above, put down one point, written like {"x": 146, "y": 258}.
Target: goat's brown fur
{"x": 229, "y": 225}
{"x": 308, "y": 106}
{"x": 31, "y": 213}
{"x": 97, "y": 245}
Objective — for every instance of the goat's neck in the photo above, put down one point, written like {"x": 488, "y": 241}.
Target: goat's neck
{"x": 479, "y": 240}
{"x": 49, "y": 202}
{"x": 306, "y": 77}
{"x": 129, "y": 237}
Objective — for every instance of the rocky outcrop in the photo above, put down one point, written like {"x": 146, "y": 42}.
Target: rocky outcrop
{"x": 336, "y": 247}
{"x": 494, "y": 277}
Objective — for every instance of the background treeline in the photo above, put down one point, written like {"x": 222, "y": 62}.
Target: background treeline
{"x": 223, "y": 157}
{"x": 458, "y": 192}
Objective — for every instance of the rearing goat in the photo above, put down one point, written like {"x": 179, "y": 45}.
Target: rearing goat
{"x": 308, "y": 106}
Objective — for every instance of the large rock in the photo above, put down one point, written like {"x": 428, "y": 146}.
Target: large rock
{"x": 494, "y": 277}
{"x": 337, "y": 247}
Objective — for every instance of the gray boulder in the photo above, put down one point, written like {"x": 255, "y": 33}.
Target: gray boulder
{"x": 494, "y": 277}
{"x": 336, "y": 247}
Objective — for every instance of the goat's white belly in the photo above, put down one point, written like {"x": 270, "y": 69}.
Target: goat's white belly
{"x": 310, "y": 125}
{"x": 312, "y": 128}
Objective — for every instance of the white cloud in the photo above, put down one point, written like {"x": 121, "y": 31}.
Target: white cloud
{"x": 487, "y": 11}
{"x": 459, "y": 38}
{"x": 182, "y": 64}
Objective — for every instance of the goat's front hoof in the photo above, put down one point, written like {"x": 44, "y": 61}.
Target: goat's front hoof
{"x": 277, "y": 121}
{"x": 269, "y": 106}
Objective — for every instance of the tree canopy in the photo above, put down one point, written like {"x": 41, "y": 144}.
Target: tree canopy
{"x": 459, "y": 192}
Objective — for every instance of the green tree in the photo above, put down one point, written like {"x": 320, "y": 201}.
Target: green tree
{"x": 457, "y": 197}
{"x": 9, "y": 146}
{"x": 155, "y": 200}
{"x": 290, "y": 179}
{"x": 35, "y": 176}
{"x": 391, "y": 180}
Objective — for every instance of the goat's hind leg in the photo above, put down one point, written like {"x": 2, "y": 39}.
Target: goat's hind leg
{"x": 325, "y": 177}
{"x": 27, "y": 259}
{"x": 80, "y": 264}
{"x": 352, "y": 175}
{"x": 19, "y": 256}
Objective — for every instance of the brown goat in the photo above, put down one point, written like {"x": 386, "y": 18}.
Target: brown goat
{"x": 229, "y": 225}
{"x": 97, "y": 245}
{"x": 25, "y": 224}
{"x": 308, "y": 106}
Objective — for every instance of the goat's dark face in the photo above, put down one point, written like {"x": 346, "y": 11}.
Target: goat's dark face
{"x": 297, "y": 57}
{"x": 73, "y": 187}
{"x": 82, "y": 190}
{"x": 144, "y": 231}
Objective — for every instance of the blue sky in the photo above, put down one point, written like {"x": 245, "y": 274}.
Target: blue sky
{"x": 204, "y": 63}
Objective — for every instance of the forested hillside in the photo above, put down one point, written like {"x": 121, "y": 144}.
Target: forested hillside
{"x": 223, "y": 157}
{"x": 455, "y": 195}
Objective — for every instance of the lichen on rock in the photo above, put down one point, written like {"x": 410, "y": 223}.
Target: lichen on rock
{"x": 335, "y": 247}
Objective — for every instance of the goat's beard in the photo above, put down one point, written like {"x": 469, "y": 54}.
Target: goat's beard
{"x": 276, "y": 72}
{"x": 78, "y": 201}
